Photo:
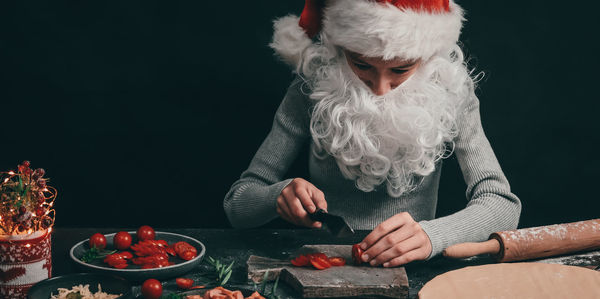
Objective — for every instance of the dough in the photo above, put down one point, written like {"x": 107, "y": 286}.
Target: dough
{"x": 515, "y": 280}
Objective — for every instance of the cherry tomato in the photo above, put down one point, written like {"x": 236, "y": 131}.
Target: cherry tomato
{"x": 301, "y": 261}
{"x": 357, "y": 253}
{"x": 145, "y": 232}
{"x": 319, "y": 262}
{"x": 337, "y": 261}
{"x": 184, "y": 283}
{"x": 184, "y": 250}
{"x": 98, "y": 240}
{"x": 122, "y": 240}
{"x": 152, "y": 289}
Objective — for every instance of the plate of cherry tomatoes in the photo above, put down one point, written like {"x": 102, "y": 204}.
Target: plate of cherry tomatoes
{"x": 138, "y": 255}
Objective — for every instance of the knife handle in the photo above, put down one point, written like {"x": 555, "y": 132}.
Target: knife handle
{"x": 318, "y": 215}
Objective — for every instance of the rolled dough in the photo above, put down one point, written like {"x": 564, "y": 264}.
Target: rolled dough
{"x": 515, "y": 280}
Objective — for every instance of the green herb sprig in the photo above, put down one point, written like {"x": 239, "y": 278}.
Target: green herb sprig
{"x": 223, "y": 271}
{"x": 94, "y": 254}
{"x": 263, "y": 287}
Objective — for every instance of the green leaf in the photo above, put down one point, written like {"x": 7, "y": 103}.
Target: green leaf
{"x": 263, "y": 283}
{"x": 275, "y": 285}
{"x": 224, "y": 281}
{"x": 228, "y": 269}
{"x": 26, "y": 190}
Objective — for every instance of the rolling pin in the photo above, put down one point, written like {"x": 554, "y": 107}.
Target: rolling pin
{"x": 533, "y": 242}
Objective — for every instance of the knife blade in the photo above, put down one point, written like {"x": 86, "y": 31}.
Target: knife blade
{"x": 336, "y": 225}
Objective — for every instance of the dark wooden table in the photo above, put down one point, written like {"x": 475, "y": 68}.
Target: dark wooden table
{"x": 237, "y": 245}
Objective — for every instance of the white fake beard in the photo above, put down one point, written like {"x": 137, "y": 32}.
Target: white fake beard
{"x": 396, "y": 138}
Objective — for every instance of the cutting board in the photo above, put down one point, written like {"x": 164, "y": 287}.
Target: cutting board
{"x": 345, "y": 281}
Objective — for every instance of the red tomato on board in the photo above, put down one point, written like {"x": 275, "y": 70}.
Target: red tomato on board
{"x": 98, "y": 240}
{"x": 122, "y": 240}
{"x": 337, "y": 261}
{"x": 300, "y": 261}
{"x": 319, "y": 262}
{"x": 184, "y": 283}
{"x": 145, "y": 232}
{"x": 357, "y": 253}
{"x": 152, "y": 289}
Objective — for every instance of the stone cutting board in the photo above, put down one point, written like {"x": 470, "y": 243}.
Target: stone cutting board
{"x": 345, "y": 281}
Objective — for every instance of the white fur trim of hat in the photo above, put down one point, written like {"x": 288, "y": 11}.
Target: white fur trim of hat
{"x": 381, "y": 28}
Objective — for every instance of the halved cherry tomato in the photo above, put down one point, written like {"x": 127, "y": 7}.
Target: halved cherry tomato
{"x": 319, "y": 262}
{"x": 300, "y": 261}
{"x": 118, "y": 260}
{"x": 357, "y": 253}
{"x": 337, "y": 261}
{"x": 184, "y": 250}
{"x": 184, "y": 283}
{"x": 150, "y": 247}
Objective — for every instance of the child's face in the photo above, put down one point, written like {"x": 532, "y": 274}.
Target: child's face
{"x": 380, "y": 75}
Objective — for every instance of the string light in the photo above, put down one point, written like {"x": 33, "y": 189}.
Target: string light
{"x": 25, "y": 201}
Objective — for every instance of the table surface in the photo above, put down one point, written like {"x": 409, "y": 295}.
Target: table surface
{"x": 237, "y": 245}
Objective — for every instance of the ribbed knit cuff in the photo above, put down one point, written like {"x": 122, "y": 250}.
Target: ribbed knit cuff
{"x": 258, "y": 206}
{"x": 438, "y": 237}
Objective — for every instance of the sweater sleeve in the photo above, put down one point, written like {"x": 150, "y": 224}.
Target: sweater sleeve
{"x": 491, "y": 205}
{"x": 251, "y": 201}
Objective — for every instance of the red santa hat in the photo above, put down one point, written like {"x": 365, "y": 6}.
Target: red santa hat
{"x": 408, "y": 29}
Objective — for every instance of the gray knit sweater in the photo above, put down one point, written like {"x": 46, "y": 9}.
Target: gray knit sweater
{"x": 491, "y": 206}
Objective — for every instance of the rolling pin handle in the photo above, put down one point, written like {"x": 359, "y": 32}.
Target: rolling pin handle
{"x": 464, "y": 250}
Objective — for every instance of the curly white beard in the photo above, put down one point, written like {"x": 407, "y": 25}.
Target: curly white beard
{"x": 396, "y": 138}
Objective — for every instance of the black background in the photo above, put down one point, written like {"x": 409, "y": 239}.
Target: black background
{"x": 146, "y": 112}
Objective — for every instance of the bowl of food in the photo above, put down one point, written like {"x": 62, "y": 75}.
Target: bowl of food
{"x": 130, "y": 264}
{"x": 81, "y": 285}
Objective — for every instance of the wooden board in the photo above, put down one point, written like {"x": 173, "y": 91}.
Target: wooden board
{"x": 345, "y": 281}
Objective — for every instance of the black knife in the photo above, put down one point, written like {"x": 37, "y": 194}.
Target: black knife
{"x": 335, "y": 224}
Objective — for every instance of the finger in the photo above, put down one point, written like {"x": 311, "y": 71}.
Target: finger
{"x": 299, "y": 212}
{"x": 283, "y": 215}
{"x": 398, "y": 249}
{"x": 306, "y": 200}
{"x": 389, "y": 241}
{"x": 384, "y": 228}
{"x": 318, "y": 198}
{"x": 292, "y": 203}
{"x": 405, "y": 258}
{"x": 284, "y": 210}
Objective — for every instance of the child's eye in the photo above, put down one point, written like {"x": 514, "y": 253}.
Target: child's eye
{"x": 399, "y": 71}
{"x": 362, "y": 66}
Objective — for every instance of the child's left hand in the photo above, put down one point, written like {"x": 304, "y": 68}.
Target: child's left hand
{"x": 396, "y": 241}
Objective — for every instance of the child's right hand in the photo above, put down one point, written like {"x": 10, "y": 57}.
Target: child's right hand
{"x": 297, "y": 200}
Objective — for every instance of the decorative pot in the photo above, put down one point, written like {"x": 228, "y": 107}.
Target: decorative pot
{"x": 24, "y": 260}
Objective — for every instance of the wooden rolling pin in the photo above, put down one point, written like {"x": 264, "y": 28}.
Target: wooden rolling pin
{"x": 534, "y": 242}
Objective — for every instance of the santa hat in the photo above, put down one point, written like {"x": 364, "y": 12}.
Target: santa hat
{"x": 408, "y": 29}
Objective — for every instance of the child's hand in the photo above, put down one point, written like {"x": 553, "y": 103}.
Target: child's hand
{"x": 396, "y": 241}
{"x": 297, "y": 200}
